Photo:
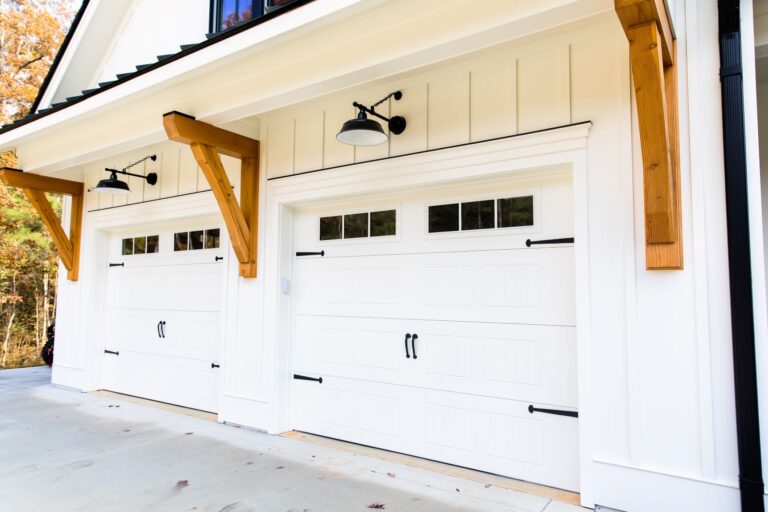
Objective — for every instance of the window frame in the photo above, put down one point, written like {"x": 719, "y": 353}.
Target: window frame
{"x": 214, "y": 25}
{"x": 535, "y": 192}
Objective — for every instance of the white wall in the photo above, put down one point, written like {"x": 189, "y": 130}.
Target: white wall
{"x": 661, "y": 381}
{"x": 661, "y": 423}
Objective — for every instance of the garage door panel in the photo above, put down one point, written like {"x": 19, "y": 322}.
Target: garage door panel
{"x": 351, "y": 348}
{"x": 184, "y": 382}
{"x": 519, "y": 286}
{"x": 500, "y": 436}
{"x": 360, "y": 412}
{"x": 523, "y": 362}
{"x": 180, "y": 287}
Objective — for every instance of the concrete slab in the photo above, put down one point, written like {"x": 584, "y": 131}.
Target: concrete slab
{"x": 64, "y": 451}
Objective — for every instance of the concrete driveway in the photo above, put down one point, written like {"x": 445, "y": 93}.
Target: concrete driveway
{"x": 63, "y": 451}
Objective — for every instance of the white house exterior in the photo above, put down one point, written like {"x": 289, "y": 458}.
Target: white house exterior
{"x": 439, "y": 326}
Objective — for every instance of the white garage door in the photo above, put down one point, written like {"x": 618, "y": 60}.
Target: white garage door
{"x": 438, "y": 331}
{"x": 163, "y": 318}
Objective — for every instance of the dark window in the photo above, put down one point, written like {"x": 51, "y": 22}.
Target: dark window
{"x": 330, "y": 228}
{"x": 444, "y": 217}
{"x": 231, "y": 12}
{"x": 356, "y": 225}
{"x": 140, "y": 245}
{"x": 515, "y": 211}
{"x": 477, "y": 215}
{"x": 271, "y": 5}
{"x": 181, "y": 241}
{"x": 196, "y": 240}
{"x": 153, "y": 244}
{"x": 127, "y": 246}
{"x": 384, "y": 223}
{"x": 212, "y": 238}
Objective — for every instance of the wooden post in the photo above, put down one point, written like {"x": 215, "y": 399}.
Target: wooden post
{"x": 654, "y": 73}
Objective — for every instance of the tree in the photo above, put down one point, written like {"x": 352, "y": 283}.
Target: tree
{"x": 31, "y": 32}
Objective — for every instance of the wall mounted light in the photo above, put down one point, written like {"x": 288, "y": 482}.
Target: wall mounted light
{"x": 362, "y": 131}
{"x": 113, "y": 185}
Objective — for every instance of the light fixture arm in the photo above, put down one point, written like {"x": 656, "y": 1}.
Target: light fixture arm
{"x": 396, "y": 124}
{"x": 151, "y": 177}
{"x": 124, "y": 172}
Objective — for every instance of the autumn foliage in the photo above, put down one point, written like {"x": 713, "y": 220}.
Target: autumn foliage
{"x": 31, "y": 32}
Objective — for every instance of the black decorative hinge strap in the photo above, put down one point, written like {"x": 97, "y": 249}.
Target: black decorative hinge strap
{"x": 214, "y": 365}
{"x": 557, "y": 412}
{"x": 114, "y": 353}
{"x": 530, "y": 242}
{"x": 321, "y": 253}
{"x": 117, "y": 264}
{"x": 304, "y": 377}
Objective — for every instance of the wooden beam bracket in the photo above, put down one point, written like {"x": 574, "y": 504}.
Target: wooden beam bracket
{"x": 652, "y": 51}
{"x": 35, "y": 187}
{"x": 207, "y": 143}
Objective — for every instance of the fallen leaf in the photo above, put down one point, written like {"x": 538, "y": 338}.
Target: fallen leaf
{"x": 249, "y": 463}
{"x": 391, "y": 475}
{"x": 487, "y": 485}
{"x": 376, "y": 505}
{"x": 457, "y": 490}
{"x": 188, "y": 433}
{"x": 280, "y": 467}
{"x": 182, "y": 483}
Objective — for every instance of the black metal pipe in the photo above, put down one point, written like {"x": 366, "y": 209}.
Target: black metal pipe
{"x": 739, "y": 259}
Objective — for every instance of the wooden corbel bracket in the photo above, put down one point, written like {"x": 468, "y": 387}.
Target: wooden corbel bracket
{"x": 652, "y": 52}
{"x": 208, "y": 142}
{"x": 35, "y": 187}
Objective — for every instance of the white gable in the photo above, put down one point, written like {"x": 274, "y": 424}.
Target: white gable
{"x": 114, "y": 36}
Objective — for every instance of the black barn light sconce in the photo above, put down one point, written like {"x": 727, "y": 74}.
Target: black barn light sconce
{"x": 362, "y": 131}
{"x": 113, "y": 185}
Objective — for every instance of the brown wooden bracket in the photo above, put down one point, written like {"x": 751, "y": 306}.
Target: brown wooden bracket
{"x": 209, "y": 142}
{"x": 35, "y": 187}
{"x": 652, "y": 51}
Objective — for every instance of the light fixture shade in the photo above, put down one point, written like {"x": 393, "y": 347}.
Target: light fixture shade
{"x": 112, "y": 185}
{"x": 361, "y": 132}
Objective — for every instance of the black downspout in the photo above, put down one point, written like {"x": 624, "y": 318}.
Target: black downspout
{"x": 739, "y": 259}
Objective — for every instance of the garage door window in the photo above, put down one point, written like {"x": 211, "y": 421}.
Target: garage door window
{"x": 197, "y": 240}
{"x": 508, "y": 212}
{"x": 140, "y": 245}
{"x": 359, "y": 225}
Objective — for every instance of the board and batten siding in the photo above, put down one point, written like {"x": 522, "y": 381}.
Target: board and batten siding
{"x": 654, "y": 373}
{"x": 177, "y": 174}
{"x": 495, "y": 96}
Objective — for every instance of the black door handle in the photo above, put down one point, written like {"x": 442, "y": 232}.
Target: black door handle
{"x": 219, "y": 258}
{"x": 214, "y": 365}
{"x": 114, "y": 353}
{"x": 117, "y": 265}
{"x": 158, "y": 329}
{"x": 407, "y": 354}
{"x": 556, "y": 412}
{"x": 162, "y": 328}
{"x": 413, "y": 345}
{"x": 305, "y": 253}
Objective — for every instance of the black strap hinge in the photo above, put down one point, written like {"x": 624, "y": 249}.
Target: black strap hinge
{"x": 556, "y": 412}
{"x": 321, "y": 253}
{"x": 114, "y": 353}
{"x": 117, "y": 264}
{"x": 549, "y": 241}
{"x": 304, "y": 377}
